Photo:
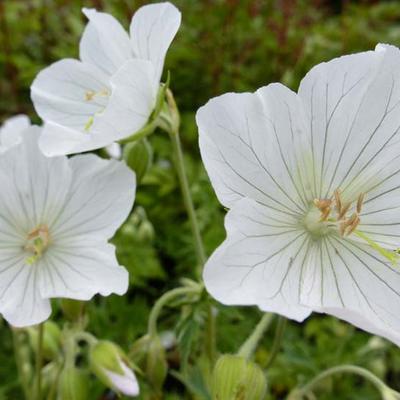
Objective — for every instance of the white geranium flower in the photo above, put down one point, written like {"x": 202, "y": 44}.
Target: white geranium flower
{"x": 312, "y": 181}
{"x": 11, "y": 130}
{"x": 56, "y": 215}
{"x": 110, "y": 93}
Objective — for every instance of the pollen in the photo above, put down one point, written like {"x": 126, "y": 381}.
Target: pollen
{"x": 38, "y": 241}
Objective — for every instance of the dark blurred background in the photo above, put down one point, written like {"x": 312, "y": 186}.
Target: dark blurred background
{"x": 223, "y": 45}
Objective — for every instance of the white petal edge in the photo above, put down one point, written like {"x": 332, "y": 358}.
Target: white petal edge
{"x": 260, "y": 263}
{"x": 153, "y": 27}
{"x": 104, "y": 42}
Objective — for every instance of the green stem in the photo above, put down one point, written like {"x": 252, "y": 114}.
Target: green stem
{"x": 19, "y": 359}
{"x": 249, "y": 346}
{"x": 280, "y": 329}
{"x": 350, "y": 369}
{"x": 161, "y": 302}
{"x": 39, "y": 362}
{"x": 86, "y": 337}
{"x": 187, "y": 198}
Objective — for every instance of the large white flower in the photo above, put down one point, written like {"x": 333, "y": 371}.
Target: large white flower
{"x": 56, "y": 215}
{"x": 111, "y": 92}
{"x": 312, "y": 181}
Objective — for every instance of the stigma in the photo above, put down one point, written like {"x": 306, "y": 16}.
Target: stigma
{"x": 37, "y": 243}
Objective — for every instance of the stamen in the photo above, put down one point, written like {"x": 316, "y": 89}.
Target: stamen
{"x": 343, "y": 211}
{"x": 360, "y": 201}
{"x": 338, "y": 201}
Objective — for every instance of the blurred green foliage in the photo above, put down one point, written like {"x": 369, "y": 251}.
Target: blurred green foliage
{"x": 223, "y": 45}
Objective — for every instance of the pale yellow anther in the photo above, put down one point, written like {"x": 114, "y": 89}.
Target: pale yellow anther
{"x": 89, "y": 95}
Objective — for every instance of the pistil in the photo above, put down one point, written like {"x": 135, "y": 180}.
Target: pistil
{"x": 38, "y": 241}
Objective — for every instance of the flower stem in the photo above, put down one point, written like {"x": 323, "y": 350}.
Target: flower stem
{"x": 39, "y": 362}
{"x": 350, "y": 369}
{"x": 280, "y": 329}
{"x": 249, "y": 346}
{"x": 19, "y": 359}
{"x": 187, "y": 198}
{"x": 161, "y": 302}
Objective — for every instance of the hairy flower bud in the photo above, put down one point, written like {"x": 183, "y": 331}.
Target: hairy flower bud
{"x": 110, "y": 365}
{"x": 139, "y": 157}
{"x": 235, "y": 378}
{"x": 51, "y": 339}
{"x": 73, "y": 384}
{"x": 149, "y": 353}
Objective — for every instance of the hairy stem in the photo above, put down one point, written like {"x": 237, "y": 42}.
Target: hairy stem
{"x": 249, "y": 346}
{"x": 341, "y": 369}
{"x": 161, "y": 302}
{"x": 280, "y": 329}
{"x": 19, "y": 359}
{"x": 39, "y": 362}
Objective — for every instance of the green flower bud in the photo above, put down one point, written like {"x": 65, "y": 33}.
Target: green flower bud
{"x": 72, "y": 309}
{"x": 73, "y": 384}
{"x": 149, "y": 353}
{"x": 235, "y": 378}
{"x": 139, "y": 157}
{"x": 51, "y": 339}
{"x": 109, "y": 364}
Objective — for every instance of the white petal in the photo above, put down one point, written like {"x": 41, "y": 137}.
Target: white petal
{"x": 114, "y": 150}
{"x": 31, "y": 192}
{"x": 11, "y": 130}
{"x": 104, "y": 43}
{"x": 246, "y": 147}
{"x": 126, "y": 384}
{"x": 57, "y": 140}
{"x": 353, "y": 103}
{"x": 70, "y": 93}
{"x": 261, "y": 261}
{"x": 79, "y": 268}
{"x": 353, "y": 282}
{"x": 132, "y": 101}
{"x": 152, "y": 30}
{"x": 20, "y": 301}
{"x": 100, "y": 198}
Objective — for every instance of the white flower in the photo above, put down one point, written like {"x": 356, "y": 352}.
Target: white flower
{"x": 56, "y": 215}
{"x": 312, "y": 181}
{"x": 11, "y": 130}
{"x": 110, "y": 93}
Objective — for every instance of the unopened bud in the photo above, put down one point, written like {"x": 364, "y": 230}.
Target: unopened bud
{"x": 51, "y": 339}
{"x": 110, "y": 365}
{"x": 149, "y": 354}
{"x": 73, "y": 384}
{"x": 236, "y": 378}
{"x": 139, "y": 157}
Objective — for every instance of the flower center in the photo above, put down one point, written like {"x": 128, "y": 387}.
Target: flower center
{"x": 38, "y": 241}
{"x": 327, "y": 214}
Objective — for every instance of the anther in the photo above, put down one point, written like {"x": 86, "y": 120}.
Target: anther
{"x": 360, "y": 201}
{"x": 338, "y": 201}
{"x": 343, "y": 211}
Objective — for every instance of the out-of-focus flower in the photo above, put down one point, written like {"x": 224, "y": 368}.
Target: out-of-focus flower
{"x": 312, "y": 181}
{"x": 109, "y": 364}
{"x": 111, "y": 92}
{"x": 56, "y": 215}
{"x": 11, "y": 130}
